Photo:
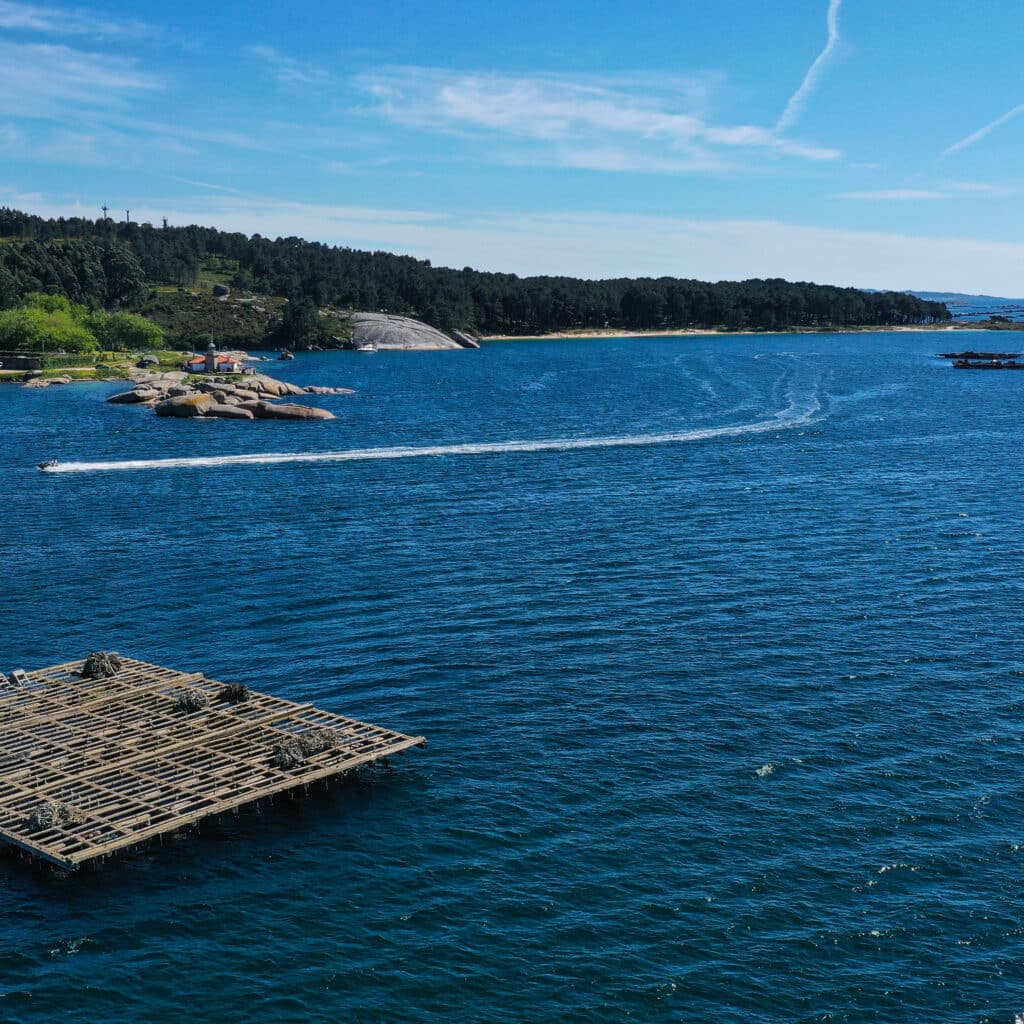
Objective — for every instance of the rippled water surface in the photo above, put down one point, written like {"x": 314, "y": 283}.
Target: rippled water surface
{"x": 725, "y": 705}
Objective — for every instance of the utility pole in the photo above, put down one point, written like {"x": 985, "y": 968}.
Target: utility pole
{"x": 165, "y": 223}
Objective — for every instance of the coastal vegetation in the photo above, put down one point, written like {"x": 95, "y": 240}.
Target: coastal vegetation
{"x": 53, "y": 323}
{"x": 103, "y": 264}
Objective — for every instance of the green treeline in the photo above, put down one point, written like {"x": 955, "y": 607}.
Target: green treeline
{"x": 100, "y": 273}
{"x": 104, "y": 264}
{"x": 50, "y": 323}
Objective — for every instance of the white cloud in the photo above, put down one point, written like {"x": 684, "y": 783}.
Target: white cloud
{"x": 795, "y": 106}
{"x": 217, "y": 136}
{"x": 64, "y": 21}
{"x": 977, "y": 136}
{"x": 615, "y": 158}
{"x": 894, "y": 194}
{"x": 211, "y": 185}
{"x": 979, "y": 188}
{"x": 77, "y": 106}
{"x": 289, "y": 71}
{"x": 618, "y": 123}
{"x": 175, "y": 147}
{"x": 41, "y": 79}
{"x": 21, "y": 200}
{"x": 608, "y": 245}
{"x": 958, "y": 190}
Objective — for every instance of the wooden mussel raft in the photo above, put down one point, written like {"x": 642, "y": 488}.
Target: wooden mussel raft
{"x": 987, "y": 364}
{"x": 972, "y": 355}
{"x": 984, "y": 360}
{"x": 103, "y": 754}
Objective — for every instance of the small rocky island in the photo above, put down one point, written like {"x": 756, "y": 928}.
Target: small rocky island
{"x": 232, "y": 396}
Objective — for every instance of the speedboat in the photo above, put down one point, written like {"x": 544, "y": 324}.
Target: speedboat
{"x": 48, "y": 465}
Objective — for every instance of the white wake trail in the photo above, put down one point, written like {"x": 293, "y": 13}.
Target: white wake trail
{"x": 795, "y": 415}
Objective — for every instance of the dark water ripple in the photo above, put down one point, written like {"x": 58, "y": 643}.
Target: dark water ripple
{"x": 728, "y": 729}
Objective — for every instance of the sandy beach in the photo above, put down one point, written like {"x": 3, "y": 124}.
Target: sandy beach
{"x": 703, "y": 332}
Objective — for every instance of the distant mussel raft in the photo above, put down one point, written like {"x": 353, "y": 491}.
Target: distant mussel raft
{"x": 984, "y": 360}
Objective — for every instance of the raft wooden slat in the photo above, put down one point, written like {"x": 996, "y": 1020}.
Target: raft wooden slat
{"x": 130, "y": 765}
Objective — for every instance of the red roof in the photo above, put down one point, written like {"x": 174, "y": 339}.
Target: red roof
{"x": 201, "y": 360}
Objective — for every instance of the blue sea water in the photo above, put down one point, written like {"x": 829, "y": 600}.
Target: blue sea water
{"x": 726, "y": 717}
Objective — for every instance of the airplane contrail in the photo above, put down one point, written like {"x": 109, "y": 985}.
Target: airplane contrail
{"x": 795, "y": 106}
{"x": 974, "y": 137}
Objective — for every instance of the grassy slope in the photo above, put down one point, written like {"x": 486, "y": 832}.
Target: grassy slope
{"x": 242, "y": 320}
{"x": 235, "y": 322}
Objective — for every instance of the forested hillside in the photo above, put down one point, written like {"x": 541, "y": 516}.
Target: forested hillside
{"x": 106, "y": 264}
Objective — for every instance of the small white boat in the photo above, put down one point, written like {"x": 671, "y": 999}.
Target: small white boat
{"x": 47, "y": 466}
{"x": 367, "y": 347}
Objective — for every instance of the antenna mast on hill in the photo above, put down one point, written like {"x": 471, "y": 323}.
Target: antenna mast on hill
{"x": 165, "y": 223}
{"x": 127, "y": 216}
{"x": 104, "y": 208}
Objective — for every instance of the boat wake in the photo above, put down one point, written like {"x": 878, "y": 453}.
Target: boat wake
{"x": 797, "y": 414}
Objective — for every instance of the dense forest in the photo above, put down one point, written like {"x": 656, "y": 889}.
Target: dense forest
{"x": 106, "y": 264}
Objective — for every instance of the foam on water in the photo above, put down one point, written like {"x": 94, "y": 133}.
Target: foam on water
{"x": 799, "y": 412}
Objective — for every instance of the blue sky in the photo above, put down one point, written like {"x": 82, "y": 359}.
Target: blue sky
{"x": 856, "y": 142}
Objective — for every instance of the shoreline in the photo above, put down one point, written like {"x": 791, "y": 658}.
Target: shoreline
{"x": 687, "y": 332}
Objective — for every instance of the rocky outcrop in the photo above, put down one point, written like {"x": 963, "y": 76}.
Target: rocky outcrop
{"x": 136, "y": 396}
{"x": 290, "y": 411}
{"x": 45, "y": 382}
{"x": 228, "y": 412}
{"x": 185, "y": 406}
{"x": 385, "y": 331}
{"x": 164, "y": 379}
{"x": 255, "y": 396}
{"x": 258, "y": 408}
{"x": 313, "y": 389}
{"x": 285, "y": 411}
{"x": 465, "y": 339}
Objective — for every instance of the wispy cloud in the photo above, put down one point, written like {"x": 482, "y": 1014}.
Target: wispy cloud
{"x": 64, "y": 21}
{"x": 211, "y": 185}
{"x": 616, "y": 158}
{"x": 221, "y": 137}
{"x": 977, "y": 136}
{"x": 17, "y": 197}
{"x": 231, "y": 210}
{"x": 894, "y": 194}
{"x": 39, "y": 79}
{"x": 795, "y": 106}
{"x": 288, "y": 70}
{"x": 615, "y": 123}
{"x": 980, "y": 188}
{"x": 954, "y": 191}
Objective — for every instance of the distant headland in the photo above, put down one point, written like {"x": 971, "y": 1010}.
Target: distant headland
{"x": 196, "y": 283}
